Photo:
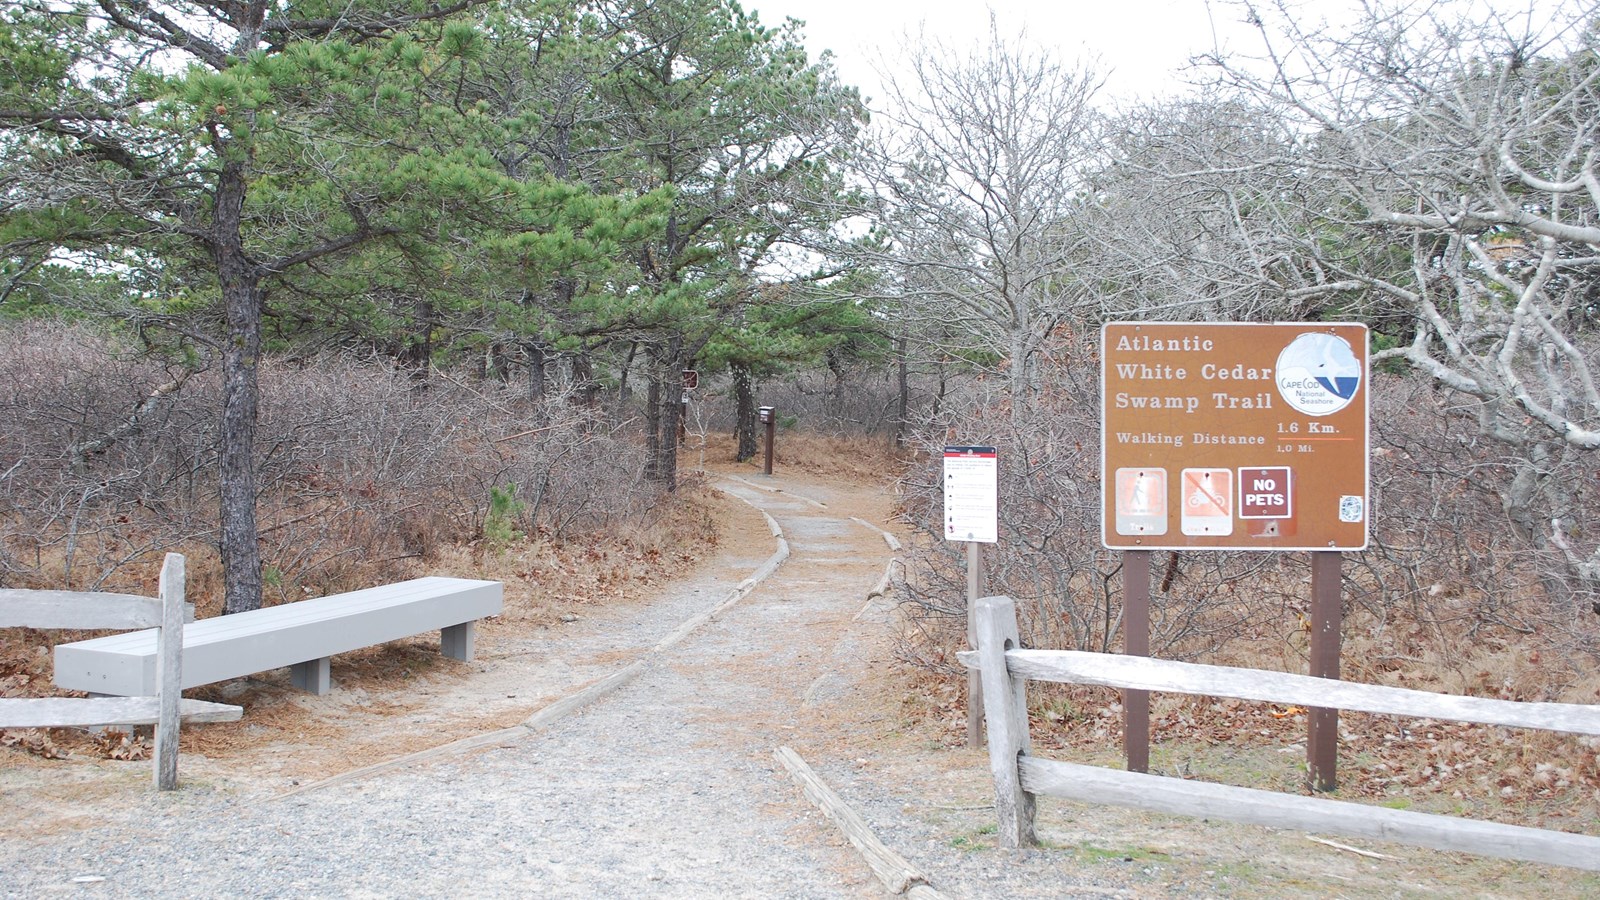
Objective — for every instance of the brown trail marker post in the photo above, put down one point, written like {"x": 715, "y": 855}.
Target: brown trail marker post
{"x": 1322, "y": 725}
{"x": 769, "y": 417}
{"x": 1235, "y": 437}
{"x": 971, "y": 514}
{"x": 1136, "y": 642}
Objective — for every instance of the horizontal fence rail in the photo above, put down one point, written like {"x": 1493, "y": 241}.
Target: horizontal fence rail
{"x": 1019, "y": 777}
{"x": 1201, "y": 799}
{"x": 70, "y": 712}
{"x": 1144, "y": 674}
{"x": 78, "y": 610}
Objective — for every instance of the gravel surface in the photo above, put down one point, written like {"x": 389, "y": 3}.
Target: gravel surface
{"x": 667, "y": 787}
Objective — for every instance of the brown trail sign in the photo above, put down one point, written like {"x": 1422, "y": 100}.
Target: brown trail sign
{"x": 1282, "y": 407}
{"x": 1235, "y": 437}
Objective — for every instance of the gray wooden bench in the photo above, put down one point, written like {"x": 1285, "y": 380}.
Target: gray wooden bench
{"x": 302, "y": 635}
{"x": 157, "y": 702}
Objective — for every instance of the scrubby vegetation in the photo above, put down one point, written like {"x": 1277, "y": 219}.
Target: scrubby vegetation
{"x": 363, "y": 469}
{"x": 321, "y": 301}
{"x": 1445, "y": 599}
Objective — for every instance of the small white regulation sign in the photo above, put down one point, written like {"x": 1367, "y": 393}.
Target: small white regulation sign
{"x": 971, "y": 494}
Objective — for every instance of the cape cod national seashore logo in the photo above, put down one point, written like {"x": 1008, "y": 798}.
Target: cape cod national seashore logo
{"x": 1318, "y": 374}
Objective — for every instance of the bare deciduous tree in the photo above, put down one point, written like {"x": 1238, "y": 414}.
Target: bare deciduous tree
{"x": 1465, "y": 149}
{"x": 978, "y": 175}
{"x": 1204, "y": 212}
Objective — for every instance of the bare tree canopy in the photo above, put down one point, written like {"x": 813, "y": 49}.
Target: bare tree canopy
{"x": 1444, "y": 171}
{"x": 978, "y": 175}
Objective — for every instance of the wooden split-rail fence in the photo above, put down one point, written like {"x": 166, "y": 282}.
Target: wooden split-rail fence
{"x": 162, "y": 707}
{"x": 1019, "y": 777}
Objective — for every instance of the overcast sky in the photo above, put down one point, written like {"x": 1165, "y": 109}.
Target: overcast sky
{"x": 1140, "y": 43}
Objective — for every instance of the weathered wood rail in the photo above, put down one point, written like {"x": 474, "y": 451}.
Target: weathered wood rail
{"x": 1019, "y": 777}
{"x": 74, "y": 610}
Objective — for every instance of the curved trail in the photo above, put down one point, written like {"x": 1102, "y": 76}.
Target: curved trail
{"x": 636, "y": 752}
{"x": 572, "y": 703}
{"x": 666, "y": 787}
{"x": 648, "y": 765}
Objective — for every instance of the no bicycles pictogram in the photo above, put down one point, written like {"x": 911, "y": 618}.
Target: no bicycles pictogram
{"x": 1207, "y": 501}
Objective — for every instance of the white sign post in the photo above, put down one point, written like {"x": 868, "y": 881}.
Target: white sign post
{"x": 971, "y": 515}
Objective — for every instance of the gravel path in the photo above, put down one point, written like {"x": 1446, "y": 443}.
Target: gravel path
{"x": 667, "y": 787}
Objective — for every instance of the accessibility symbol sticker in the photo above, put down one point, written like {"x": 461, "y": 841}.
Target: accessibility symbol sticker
{"x": 1207, "y": 502}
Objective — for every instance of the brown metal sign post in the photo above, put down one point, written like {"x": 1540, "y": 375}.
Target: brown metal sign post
{"x": 769, "y": 417}
{"x": 1327, "y": 618}
{"x": 1235, "y": 437}
{"x": 1136, "y": 642}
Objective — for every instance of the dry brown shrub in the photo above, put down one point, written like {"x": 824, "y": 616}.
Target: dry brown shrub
{"x": 366, "y": 476}
{"x": 849, "y": 400}
{"x": 363, "y": 472}
{"x": 1443, "y": 571}
{"x": 1446, "y": 599}
{"x": 857, "y": 457}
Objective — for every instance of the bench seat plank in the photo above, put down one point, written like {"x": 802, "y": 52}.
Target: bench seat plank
{"x": 71, "y": 712}
{"x": 226, "y": 647}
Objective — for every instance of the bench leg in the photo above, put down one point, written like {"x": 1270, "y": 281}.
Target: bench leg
{"x": 315, "y": 676}
{"x": 457, "y": 641}
{"x": 109, "y": 727}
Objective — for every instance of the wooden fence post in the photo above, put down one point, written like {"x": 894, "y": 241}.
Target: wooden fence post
{"x": 1005, "y": 706}
{"x": 169, "y": 677}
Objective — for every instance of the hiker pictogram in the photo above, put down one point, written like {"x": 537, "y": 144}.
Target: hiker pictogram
{"x": 1141, "y": 501}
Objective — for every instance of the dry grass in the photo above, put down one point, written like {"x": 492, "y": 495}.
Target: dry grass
{"x": 861, "y": 459}
{"x": 1519, "y": 776}
{"x": 545, "y": 578}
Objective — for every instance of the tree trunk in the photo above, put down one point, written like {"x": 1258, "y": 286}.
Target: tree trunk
{"x": 665, "y": 412}
{"x": 241, "y": 357}
{"x": 652, "y": 427}
{"x": 744, "y": 399}
{"x": 624, "y": 386}
{"x": 536, "y": 361}
{"x": 417, "y": 355}
{"x": 1519, "y": 500}
{"x": 1021, "y": 369}
{"x": 584, "y": 384}
{"x": 836, "y": 389}
{"x": 671, "y": 415}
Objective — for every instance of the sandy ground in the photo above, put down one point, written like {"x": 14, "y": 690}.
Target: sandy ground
{"x": 666, "y": 788}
